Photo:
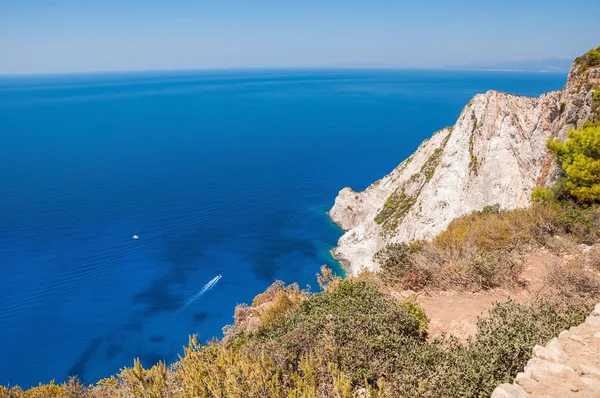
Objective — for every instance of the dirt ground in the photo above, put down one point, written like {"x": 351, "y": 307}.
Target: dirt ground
{"x": 456, "y": 312}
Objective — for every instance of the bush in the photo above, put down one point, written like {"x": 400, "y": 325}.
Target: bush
{"x": 397, "y": 259}
{"x": 503, "y": 345}
{"x": 350, "y": 341}
{"x": 542, "y": 195}
{"x": 484, "y": 249}
{"x": 352, "y": 325}
{"x": 579, "y": 157}
{"x": 582, "y": 224}
{"x": 590, "y": 59}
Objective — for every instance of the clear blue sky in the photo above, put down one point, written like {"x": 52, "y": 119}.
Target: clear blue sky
{"x": 48, "y": 36}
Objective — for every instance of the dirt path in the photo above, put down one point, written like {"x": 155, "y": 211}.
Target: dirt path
{"x": 456, "y": 312}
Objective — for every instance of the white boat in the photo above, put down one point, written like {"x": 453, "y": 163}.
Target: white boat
{"x": 136, "y": 237}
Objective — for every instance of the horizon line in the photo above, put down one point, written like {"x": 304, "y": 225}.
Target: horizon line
{"x": 279, "y": 68}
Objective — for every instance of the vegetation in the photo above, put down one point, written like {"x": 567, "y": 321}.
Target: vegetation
{"x": 579, "y": 157}
{"x": 399, "y": 203}
{"x": 590, "y": 59}
{"x": 484, "y": 249}
{"x": 347, "y": 341}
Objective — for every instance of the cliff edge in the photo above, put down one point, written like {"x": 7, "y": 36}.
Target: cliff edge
{"x": 495, "y": 154}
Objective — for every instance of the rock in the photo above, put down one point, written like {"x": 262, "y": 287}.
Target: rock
{"x": 555, "y": 348}
{"x": 596, "y": 311}
{"x": 495, "y": 154}
{"x": 590, "y": 370}
{"x": 509, "y": 391}
{"x": 593, "y": 320}
{"x": 575, "y": 337}
{"x": 545, "y": 353}
{"x": 526, "y": 382}
{"x": 593, "y": 384}
{"x": 539, "y": 369}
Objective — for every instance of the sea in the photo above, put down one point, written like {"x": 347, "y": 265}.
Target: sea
{"x": 137, "y": 209}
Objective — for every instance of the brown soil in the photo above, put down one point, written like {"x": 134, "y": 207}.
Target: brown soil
{"x": 456, "y": 312}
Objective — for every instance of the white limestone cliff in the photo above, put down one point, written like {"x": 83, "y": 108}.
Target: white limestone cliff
{"x": 495, "y": 154}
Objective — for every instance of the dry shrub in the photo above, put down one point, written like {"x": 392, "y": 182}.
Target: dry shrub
{"x": 267, "y": 308}
{"x": 578, "y": 277}
{"x": 484, "y": 249}
{"x": 488, "y": 230}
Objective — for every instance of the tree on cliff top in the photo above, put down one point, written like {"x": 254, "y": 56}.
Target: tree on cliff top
{"x": 579, "y": 157}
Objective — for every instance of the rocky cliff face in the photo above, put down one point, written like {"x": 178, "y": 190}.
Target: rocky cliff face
{"x": 495, "y": 154}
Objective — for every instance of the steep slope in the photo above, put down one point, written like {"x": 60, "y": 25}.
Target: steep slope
{"x": 495, "y": 154}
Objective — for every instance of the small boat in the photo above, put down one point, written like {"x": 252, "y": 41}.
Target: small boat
{"x": 136, "y": 237}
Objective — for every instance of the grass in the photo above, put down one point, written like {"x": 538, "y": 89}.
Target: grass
{"x": 399, "y": 203}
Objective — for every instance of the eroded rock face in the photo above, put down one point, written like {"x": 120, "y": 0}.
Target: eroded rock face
{"x": 495, "y": 154}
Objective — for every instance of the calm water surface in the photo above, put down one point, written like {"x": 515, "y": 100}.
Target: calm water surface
{"x": 227, "y": 173}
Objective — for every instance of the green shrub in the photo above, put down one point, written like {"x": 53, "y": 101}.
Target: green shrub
{"x": 418, "y": 313}
{"x": 337, "y": 343}
{"x": 397, "y": 259}
{"x": 579, "y": 157}
{"x": 542, "y": 195}
{"x": 503, "y": 345}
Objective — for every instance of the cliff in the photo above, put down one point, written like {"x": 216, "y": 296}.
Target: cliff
{"x": 495, "y": 154}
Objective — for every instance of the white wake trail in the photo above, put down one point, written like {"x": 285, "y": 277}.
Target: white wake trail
{"x": 204, "y": 289}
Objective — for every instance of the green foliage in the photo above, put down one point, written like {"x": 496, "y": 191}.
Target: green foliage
{"x": 399, "y": 203}
{"x": 353, "y": 326}
{"x": 582, "y": 224}
{"x": 418, "y": 313}
{"x": 590, "y": 59}
{"x": 396, "y": 259}
{"x": 579, "y": 157}
{"x": 338, "y": 343}
{"x": 542, "y": 195}
{"x": 503, "y": 345}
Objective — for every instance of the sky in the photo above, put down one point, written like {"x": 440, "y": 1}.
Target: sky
{"x": 61, "y": 36}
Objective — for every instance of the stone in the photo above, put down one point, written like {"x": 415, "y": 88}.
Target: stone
{"x": 591, "y": 383}
{"x": 575, "y": 337}
{"x": 589, "y": 370}
{"x": 552, "y": 373}
{"x": 526, "y": 382}
{"x": 555, "y": 347}
{"x": 545, "y": 353}
{"x": 509, "y": 391}
{"x": 539, "y": 369}
{"x": 593, "y": 320}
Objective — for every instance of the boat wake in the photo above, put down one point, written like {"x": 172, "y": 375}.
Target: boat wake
{"x": 204, "y": 289}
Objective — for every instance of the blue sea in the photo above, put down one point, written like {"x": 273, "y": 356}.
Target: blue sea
{"x": 225, "y": 173}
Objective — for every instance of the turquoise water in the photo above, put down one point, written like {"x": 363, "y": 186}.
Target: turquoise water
{"x": 221, "y": 173}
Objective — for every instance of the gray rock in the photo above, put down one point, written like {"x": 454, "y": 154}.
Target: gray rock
{"x": 593, "y": 320}
{"x": 509, "y": 391}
